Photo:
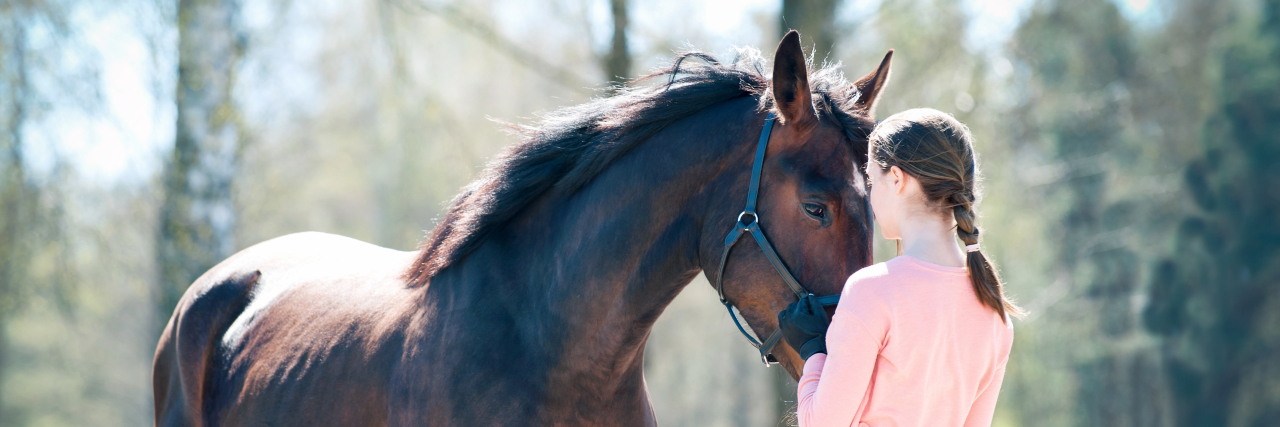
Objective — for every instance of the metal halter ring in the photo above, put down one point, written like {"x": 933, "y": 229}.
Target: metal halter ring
{"x": 754, "y": 218}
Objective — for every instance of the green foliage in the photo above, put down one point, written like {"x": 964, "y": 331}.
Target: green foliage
{"x": 1213, "y": 296}
{"x": 1081, "y": 63}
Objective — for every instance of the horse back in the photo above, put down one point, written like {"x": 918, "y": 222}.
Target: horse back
{"x": 307, "y": 314}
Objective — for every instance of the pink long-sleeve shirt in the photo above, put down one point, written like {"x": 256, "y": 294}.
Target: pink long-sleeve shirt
{"x": 909, "y": 345}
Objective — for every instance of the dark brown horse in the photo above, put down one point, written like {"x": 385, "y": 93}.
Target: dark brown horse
{"x": 531, "y": 302}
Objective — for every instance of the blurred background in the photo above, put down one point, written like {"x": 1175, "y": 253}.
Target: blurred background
{"x": 1131, "y": 150}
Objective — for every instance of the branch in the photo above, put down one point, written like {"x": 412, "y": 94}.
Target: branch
{"x": 494, "y": 39}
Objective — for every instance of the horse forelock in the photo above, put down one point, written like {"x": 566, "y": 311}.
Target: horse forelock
{"x": 565, "y": 149}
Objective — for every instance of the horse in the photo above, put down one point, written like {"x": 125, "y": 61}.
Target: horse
{"x": 531, "y": 301}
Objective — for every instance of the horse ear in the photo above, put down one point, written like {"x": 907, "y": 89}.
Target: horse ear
{"x": 869, "y": 85}
{"x": 791, "y": 81}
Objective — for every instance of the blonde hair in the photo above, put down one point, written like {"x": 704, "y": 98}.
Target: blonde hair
{"x": 937, "y": 150}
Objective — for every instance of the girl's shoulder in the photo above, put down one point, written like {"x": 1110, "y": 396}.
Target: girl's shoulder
{"x": 868, "y": 297}
{"x": 902, "y": 274}
{"x": 871, "y": 274}
{"x": 872, "y": 279}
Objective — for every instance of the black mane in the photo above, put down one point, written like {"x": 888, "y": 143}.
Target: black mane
{"x": 569, "y": 147}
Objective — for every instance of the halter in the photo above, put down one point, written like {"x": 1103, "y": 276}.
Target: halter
{"x": 749, "y": 222}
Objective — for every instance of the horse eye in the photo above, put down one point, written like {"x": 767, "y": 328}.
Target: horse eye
{"x": 815, "y": 210}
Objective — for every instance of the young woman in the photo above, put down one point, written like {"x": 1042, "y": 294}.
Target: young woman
{"x": 921, "y": 339}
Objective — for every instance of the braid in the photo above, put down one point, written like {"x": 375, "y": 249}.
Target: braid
{"x": 963, "y": 199}
{"x": 965, "y": 228}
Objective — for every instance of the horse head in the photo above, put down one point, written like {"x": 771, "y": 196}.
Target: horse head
{"x": 812, "y": 197}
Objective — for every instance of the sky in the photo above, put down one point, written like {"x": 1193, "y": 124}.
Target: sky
{"x": 125, "y": 139}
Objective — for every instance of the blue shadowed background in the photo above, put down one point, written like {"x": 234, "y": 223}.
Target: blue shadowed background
{"x": 1131, "y": 152}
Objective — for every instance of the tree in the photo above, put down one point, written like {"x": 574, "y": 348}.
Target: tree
{"x": 198, "y": 217}
{"x": 31, "y": 204}
{"x": 815, "y": 20}
{"x": 1213, "y": 297}
{"x": 617, "y": 63}
{"x": 1083, "y": 64}
{"x": 17, "y": 196}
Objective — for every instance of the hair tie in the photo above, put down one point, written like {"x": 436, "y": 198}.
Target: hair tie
{"x": 971, "y": 248}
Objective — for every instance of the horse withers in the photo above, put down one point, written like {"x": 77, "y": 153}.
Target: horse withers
{"x": 531, "y": 302}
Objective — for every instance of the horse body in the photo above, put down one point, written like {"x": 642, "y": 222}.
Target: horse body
{"x": 544, "y": 322}
{"x": 334, "y": 331}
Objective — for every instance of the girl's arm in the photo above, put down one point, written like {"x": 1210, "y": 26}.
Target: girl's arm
{"x": 834, "y": 388}
{"x": 983, "y": 408}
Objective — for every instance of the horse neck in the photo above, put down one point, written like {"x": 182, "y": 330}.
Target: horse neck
{"x": 587, "y": 275}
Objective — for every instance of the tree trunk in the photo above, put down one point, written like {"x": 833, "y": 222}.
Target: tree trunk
{"x": 617, "y": 64}
{"x": 815, "y": 20}
{"x": 198, "y": 217}
{"x": 15, "y": 195}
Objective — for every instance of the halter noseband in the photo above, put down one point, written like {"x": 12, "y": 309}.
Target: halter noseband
{"x": 749, "y": 222}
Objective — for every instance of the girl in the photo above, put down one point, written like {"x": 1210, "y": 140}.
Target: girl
{"x": 922, "y": 339}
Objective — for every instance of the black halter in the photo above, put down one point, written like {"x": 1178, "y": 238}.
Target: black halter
{"x": 749, "y": 222}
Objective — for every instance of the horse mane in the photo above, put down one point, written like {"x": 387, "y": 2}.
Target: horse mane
{"x": 565, "y": 149}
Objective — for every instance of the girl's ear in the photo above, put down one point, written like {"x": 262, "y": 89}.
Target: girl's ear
{"x": 897, "y": 179}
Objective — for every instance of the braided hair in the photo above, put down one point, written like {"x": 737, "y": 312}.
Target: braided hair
{"x": 937, "y": 150}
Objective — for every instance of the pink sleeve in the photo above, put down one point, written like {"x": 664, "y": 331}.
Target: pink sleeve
{"x": 835, "y": 387}
{"x": 985, "y": 407}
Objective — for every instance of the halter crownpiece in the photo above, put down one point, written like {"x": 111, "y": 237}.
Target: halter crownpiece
{"x": 749, "y": 223}
{"x": 971, "y": 248}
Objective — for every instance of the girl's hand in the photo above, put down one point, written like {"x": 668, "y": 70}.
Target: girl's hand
{"x": 804, "y": 326}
